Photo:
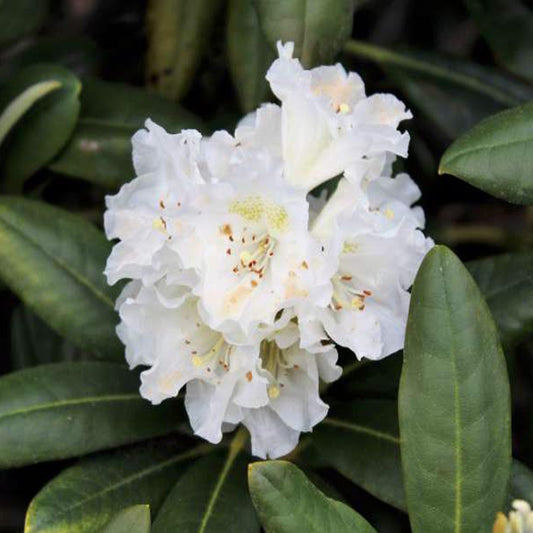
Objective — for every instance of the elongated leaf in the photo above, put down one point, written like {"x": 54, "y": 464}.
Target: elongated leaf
{"x": 506, "y": 282}
{"x": 206, "y": 498}
{"x": 100, "y": 148}
{"x": 134, "y": 519}
{"x": 54, "y": 261}
{"x": 23, "y": 102}
{"x": 85, "y": 497}
{"x": 507, "y": 26}
{"x": 52, "y": 93}
{"x": 496, "y": 155}
{"x": 34, "y": 343}
{"x": 454, "y": 403}
{"x": 178, "y": 36}
{"x": 318, "y": 28}
{"x": 453, "y": 93}
{"x": 365, "y": 438}
{"x": 249, "y": 54}
{"x": 287, "y": 501}
{"x": 68, "y": 409}
{"x": 20, "y": 17}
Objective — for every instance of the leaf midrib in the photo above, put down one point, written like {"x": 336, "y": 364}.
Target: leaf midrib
{"x": 62, "y": 265}
{"x": 456, "y": 406}
{"x": 387, "y": 56}
{"x": 71, "y": 402}
{"x": 473, "y": 150}
{"x": 195, "y": 452}
{"x": 216, "y": 491}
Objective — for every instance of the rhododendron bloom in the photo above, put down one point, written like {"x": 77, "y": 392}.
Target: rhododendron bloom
{"x": 240, "y": 283}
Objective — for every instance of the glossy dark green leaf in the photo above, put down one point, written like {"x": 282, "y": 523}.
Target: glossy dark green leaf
{"x": 364, "y": 437}
{"x": 68, "y": 409}
{"x": 506, "y": 282}
{"x": 496, "y": 155}
{"x": 20, "y": 17}
{"x": 178, "y": 36}
{"x": 249, "y": 54}
{"x": 318, "y": 28}
{"x": 521, "y": 486}
{"x": 211, "y": 497}
{"x": 507, "y": 26}
{"x": 287, "y": 501}
{"x": 34, "y": 343}
{"x": 85, "y": 497}
{"x": 53, "y": 261}
{"x": 455, "y": 94}
{"x": 100, "y": 148}
{"x": 134, "y": 519}
{"x": 43, "y": 129}
{"x": 454, "y": 403}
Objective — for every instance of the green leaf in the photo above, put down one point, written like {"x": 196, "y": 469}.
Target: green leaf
{"x": 507, "y": 26}
{"x": 134, "y": 519}
{"x": 178, "y": 36}
{"x": 318, "y": 28}
{"x": 454, "y": 403}
{"x": 100, "y": 148}
{"x": 53, "y": 261}
{"x": 69, "y": 409}
{"x": 34, "y": 343}
{"x": 496, "y": 155}
{"x": 249, "y": 54}
{"x": 521, "y": 487}
{"x": 364, "y": 437}
{"x": 211, "y": 497}
{"x": 506, "y": 282}
{"x": 453, "y": 93}
{"x": 20, "y": 17}
{"x": 43, "y": 100}
{"x": 15, "y": 109}
{"x": 85, "y": 497}
{"x": 287, "y": 501}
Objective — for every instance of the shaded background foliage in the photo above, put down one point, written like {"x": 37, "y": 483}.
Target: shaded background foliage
{"x": 446, "y": 60}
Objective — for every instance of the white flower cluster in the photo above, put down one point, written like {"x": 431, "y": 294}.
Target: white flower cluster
{"x": 520, "y": 519}
{"x": 242, "y": 283}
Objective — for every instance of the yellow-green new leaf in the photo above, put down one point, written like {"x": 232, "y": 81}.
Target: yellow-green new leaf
{"x": 40, "y": 107}
{"x": 23, "y": 102}
{"x": 54, "y": 261}
{"x": 496, "y": 156}
{"x": 134, "y": 519}
{"x": 454, "y": 403}
{"x": 287, "y": 501}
